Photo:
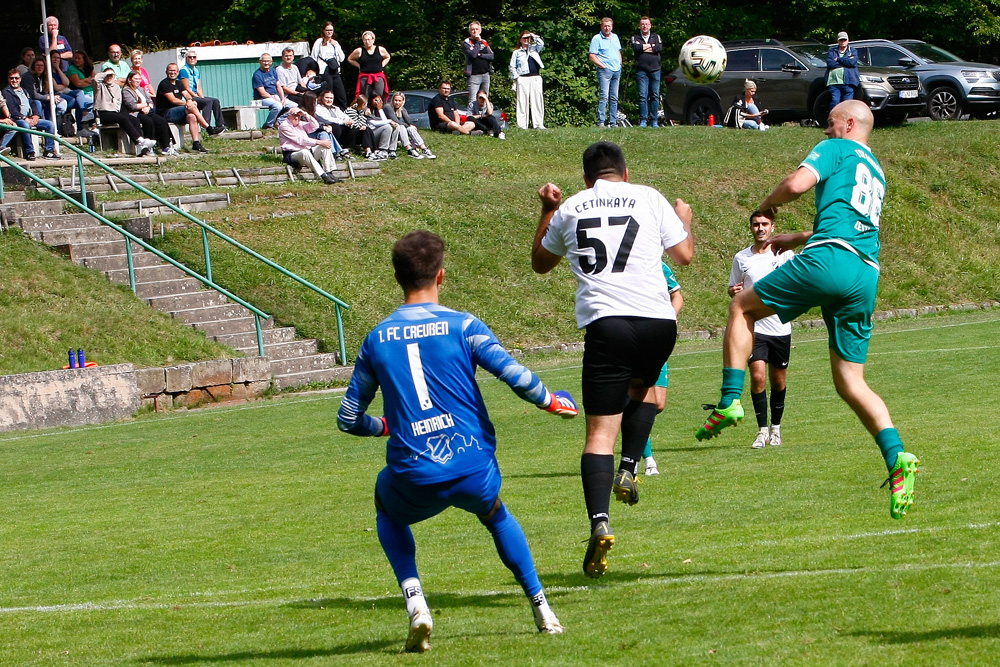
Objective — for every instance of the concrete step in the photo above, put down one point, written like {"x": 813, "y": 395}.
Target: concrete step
{"x": 81, "y": 235}
{"x": 14, "y": 197}
{"x": 79, "y": 251}
{"x": 168, "y": 287}
{"x": 302, "y": 364}
{"x": 147, "y": 274}
{"x": 249, "y": 340}
{"x": 35, "y": 207}
{"x": 236, "y": 325}
{"x": 200, "y": 299}
{"x": 342, "y": 373}
{"x": 42, "y": 223}
{"x": 226, "y": 311}
{"x": 294, "y": 348}
{"x": 120, "y": 262}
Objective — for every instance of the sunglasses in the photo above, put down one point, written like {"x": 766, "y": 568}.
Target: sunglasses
{"x": 192, "y": 57}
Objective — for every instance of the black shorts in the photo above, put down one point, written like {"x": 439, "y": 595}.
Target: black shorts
{"x": 773, "y": 350}
{"x": 618, "y": 349}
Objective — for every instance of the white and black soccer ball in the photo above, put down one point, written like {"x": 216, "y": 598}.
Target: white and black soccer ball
{"x": 703, "y": 59}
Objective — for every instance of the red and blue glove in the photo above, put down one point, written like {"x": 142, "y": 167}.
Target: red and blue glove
{"x": 562, "y": 404}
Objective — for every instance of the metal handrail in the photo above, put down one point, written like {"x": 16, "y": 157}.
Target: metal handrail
{"x": 205, "y": 229}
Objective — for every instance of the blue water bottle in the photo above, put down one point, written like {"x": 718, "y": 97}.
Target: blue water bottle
{"x": 72, "y": 359}
{"x": 82, "y": 363}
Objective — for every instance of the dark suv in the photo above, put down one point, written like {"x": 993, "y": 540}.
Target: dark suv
{"x": 790, "y": 80}
{"x": 953, "y": 86}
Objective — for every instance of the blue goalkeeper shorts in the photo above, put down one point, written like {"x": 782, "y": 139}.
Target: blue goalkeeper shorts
{"x": 408, "y": 503}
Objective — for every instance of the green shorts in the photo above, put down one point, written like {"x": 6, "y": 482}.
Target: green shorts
{"x": 664, "y": 379}
{"x": 838, "y": 281}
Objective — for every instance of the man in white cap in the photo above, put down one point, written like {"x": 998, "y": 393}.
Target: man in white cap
{"x": 841, "y": 71}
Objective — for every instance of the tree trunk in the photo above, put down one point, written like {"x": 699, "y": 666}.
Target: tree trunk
{"x": 69, "y": 21}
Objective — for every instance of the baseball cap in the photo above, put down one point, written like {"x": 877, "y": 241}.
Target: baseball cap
{"x": 842, "y": 35}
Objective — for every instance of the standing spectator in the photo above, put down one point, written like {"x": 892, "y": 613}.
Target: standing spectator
{"x": 137, "y": 103}
{"x": 370, "y": 61}
{"x": 23, "y": 114}
{"x": 442, "y": 113}
{"x": 526, "y": 72}
{"x": 606, "y": 54}
{"x": 300, "y": 150}
{"x": 385, "y": 129}
{"x": 27, "y": 58}
{"x": 120, "y": 67}
{"x": 647, "y": 47}
{"x": 341, "y": 125}
{"x": 329, "y": 57}
{"x": 842, "y": 71}
{"x": 136, "y": 60}
{"x": 409, "y": 136}
{"x": 478, "y": 61}
{"x": 190, "y": 78}
{"x": 480, "y": 112}
{"x": 56, "y": 42}
{"x": 267, "y": 90}
{"x": 108, "y": 105}
{"x": 173, "y": 103}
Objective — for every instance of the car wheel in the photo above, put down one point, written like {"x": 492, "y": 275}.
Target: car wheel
{"x": 943, "y": 104}
{"x": 701, "y": 108}
{"x": 821, "y": 108}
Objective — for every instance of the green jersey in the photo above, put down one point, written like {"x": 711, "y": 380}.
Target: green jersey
{"x": 849, "y": 194}
{"x": 672, "y": 284}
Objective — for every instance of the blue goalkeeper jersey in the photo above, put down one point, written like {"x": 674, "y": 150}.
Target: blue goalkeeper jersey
{"x": 424, "y": 358}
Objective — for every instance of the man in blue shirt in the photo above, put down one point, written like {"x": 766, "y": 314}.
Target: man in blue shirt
{"x": 606, "y": 54}
{"x": 190, "y": 78}
{"x": 267, "y": 90}
{"x": 441, "y": 447}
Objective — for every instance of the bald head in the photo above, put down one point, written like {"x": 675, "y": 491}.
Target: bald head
{"x": 851, "y": 120}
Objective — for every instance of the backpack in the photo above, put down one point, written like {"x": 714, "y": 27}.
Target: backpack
{"x": 735, "y": 115}
{"x": 67, "y": 128}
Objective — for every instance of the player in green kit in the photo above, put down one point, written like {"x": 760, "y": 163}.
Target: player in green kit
{"x": 837, "y": 270}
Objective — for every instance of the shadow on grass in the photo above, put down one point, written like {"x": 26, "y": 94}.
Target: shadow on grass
{"x": 991, "y": 631}
{"x": 542, "y": 475}
{"x": 281, "y": 654}
{"x": 435, "y": 600}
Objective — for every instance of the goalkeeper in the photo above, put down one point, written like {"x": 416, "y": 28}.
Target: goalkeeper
{"x": 441, "y": 447}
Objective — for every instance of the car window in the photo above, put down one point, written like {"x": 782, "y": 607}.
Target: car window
{"x": 772, "y": 60}
{"x": 461, "y": 100}
{"x": 743, "y": 60}
{"x": 931, "y": 54}
{"x": 415, "y": 104}
{"x": 814, "y": 54}
{"x": 884, "y": 56}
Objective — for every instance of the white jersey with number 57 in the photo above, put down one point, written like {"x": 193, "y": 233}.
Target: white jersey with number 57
{"x": 614, "y": 235}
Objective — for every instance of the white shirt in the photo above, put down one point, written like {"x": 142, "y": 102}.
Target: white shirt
{"x": 614, "y": 235}
{"x": 748, "y": 268}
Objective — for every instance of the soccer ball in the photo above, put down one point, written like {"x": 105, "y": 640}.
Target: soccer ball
{"x": 703, "y": 59}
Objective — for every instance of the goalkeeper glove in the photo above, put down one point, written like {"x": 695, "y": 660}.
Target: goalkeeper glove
{"x": 562, "y": 404}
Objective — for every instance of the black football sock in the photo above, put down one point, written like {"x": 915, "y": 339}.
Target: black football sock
{"x": 777, "y": 405}
{"x": 598, "y": 474}
{"x": 637, "y": 424}
{"x": 760, "y": 407}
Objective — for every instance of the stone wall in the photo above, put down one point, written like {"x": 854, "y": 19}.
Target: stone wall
{"x": 203, "y": 382}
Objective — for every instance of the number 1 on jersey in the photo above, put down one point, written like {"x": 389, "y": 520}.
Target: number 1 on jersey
{"x": 417, "y": 373}
{"x": 600, "y": 250}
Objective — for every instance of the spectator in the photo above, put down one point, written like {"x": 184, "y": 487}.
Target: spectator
{"x": 325, "y": 131}
{"x": 442, "y": 113}
{"x": 480, "y": 112}
{"x": 31, "y": 84}
{"x": 386, "y": 130}
{"x": 136, "y": 59}
{"x": 267, "y": 90}
{"x": 77, "y": 99}
{"x": 359, "y": 120}
{"x": 478, "y": 61}
{"x": 842, "y": 71}
{"x": 120, "y": 67}
{"x": 290, "y": 79}
{"x": 606, "y": 54}
{"x": 81, "y": 74}
{"x": 56, "y": 43}
{"x": 370, "y": 61}
{"x": 300, "y": 150}
{"x": 6, "y": 136}
{"x": 341, "y": 126}
{"x": 23, "y": 114}
{"x": 174, "y": 104}
{"x": 190, "y": 77}
{"x": 108, "y": 105}
{"x": 753, "y": 115}
{"x": 409, "y": 136}
{"x": 329, "y": 57}
{"x": 27, "y": 58}
{"x": 526, "y": 72}
{"x": 137, "y": 103}
{"x": 647, "y": 47}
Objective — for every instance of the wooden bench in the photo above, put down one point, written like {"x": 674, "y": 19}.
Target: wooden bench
{"x": 241, "y": 117}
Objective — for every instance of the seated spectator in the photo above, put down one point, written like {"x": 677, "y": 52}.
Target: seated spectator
{"x": 443, "y": 113}
{"x": 329, "y": 57}
{"x": 7, "y": 135}
{"x": 300, "y": 150}
{"x": 137, "y": 103}
{"x": 341, "y": 125}
{"x": 359, "y": 120}
{"x": 108, "y": 105}
{"x": 480, "y": 112}
{"x": 386, "y": 130}
{"x": 136, "y": 60}
{"x": 120, "y": 67}
{"x": 753, "y": 114}
{"x": 190, "y": 78}
{"x": 408, "y": 135}
{"x": 56, "y": 43}
{"x": 291, "y": 81}
{"x": 23, "y": 114}
{"x": 27, "y": 58}
{"x": 31, "y": 84}
{"x": 174, "y": 104}
{"x": 325, "y": 130}
{"x": 370, "y": 61}
{"x": 64, "y": 87}
{"x": 81, "y": 75}
{"x": 267, "y": 90}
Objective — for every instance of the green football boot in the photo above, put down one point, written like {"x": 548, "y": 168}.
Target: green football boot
{"x": 900, "y": 483}
{"x": 720, "y": 419}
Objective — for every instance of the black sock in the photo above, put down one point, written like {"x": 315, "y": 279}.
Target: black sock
{"x": 637, "y": 424}
{"x": 777, "y": 405}
{"x": 760, "y": 407}
{"x": 598, "y": 474}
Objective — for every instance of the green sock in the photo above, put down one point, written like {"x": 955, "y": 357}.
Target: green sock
{"x": 648, "y": 452}
{"x": 732, "y": 385}
{"x": 888, "y": 441}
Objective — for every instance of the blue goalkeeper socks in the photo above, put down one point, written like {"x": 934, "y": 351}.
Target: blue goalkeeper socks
{"x": 732, "y": 385}
{"x": 891, "y": 445}
{"x": 398, "y": 545}
{"x": 513, "y": 548}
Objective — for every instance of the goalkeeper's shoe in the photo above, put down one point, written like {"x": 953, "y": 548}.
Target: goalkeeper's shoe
{"x": 419, "y": 639}
{"x": 595, "y": 562}
{"x": 900, "y": 482}
{"x": 626, "y": 487}
{"x": 720, "y": 419}
{"x": 562, "y": 404}
{"x": 549, "y": 625}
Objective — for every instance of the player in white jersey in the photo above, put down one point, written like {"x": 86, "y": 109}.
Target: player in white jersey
{"x": 772, "y": 338}
{"x": 614, "y": 234}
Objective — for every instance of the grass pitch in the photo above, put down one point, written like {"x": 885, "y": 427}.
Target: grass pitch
{"x": 245, "y": 535}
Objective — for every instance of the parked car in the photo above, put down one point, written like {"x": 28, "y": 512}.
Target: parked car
{"x": 791, "y": 80}
{"x": 953, "y": 86}
{"x": 417, "y": 102}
